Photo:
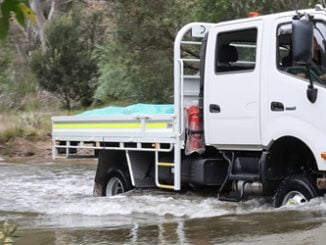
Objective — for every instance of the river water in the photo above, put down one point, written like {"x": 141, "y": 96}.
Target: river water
{"x": 52, "y": 203}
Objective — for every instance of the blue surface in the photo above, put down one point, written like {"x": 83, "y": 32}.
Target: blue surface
{"x": 137, "y": 109}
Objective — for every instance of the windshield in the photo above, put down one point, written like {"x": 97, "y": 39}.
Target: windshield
{"x": 318, "y": 65}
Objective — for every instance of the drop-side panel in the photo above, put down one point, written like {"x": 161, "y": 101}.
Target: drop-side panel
{"x": 153, "y": 128}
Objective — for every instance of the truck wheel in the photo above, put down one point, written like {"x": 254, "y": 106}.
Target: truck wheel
{"x": 294, "y": 190}
{"x": 116, "y": 184}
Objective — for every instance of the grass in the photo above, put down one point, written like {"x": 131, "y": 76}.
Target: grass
{"x": 27, "y": 133}
{"x": 11, "y": 133}
{"x": 20, "y": 133}
{"x": 29, "y": 125}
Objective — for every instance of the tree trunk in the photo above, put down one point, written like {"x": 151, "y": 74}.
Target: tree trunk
{"x": 53, "y": 9}
{"x": 41, "y": 21}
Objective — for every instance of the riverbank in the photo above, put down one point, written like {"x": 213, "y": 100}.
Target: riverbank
{"x": 25, "y": 135}
{"x": 24, "y": 149}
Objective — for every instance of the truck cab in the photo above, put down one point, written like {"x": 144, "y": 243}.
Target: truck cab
{"x": 256, "y": 97}
{"x": 250, "y": 75}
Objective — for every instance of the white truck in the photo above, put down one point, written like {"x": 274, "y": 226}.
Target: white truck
{"x": 260, "y": 95}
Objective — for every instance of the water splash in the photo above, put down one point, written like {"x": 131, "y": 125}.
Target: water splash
{"x": 61, "y": 195}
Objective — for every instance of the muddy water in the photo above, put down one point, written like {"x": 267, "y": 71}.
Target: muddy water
{"x": 52, "y": 203}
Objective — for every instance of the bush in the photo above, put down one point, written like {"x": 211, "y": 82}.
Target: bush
{"x": 11, "y": 133}
{"x": 17, "y": 82}
{"x": 68, "y": 67}
{"x": 27, "y": 125}
{"x": 137, "y": 63}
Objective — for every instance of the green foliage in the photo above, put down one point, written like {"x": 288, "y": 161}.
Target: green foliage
{"x": 24, "y": 125}
{"x": 68, "y": 66}
{"x": 114, "y": 82}
{"x": 4, "y": 27}
{"x": 5, "y": 59}
{"x": 215, "y": 11}
{"x": 134, "y": 65}
{"x": 242, "y": 8}
{"x": 16, "y": 80}
{"x": 137, "y": 62}
{"x": 140, "y": 56}
{"x": 20, "y": 10}
{"x": 11, "y": 133}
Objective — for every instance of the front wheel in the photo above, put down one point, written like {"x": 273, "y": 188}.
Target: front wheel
{"x": 294, "y": 190}
{"x": 116, "y": 184}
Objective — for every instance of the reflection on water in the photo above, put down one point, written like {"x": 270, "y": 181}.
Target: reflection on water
{"x": 198, "y": 231}
{"x": 53, "y": 204}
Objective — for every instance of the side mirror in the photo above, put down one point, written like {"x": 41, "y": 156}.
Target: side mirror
{"x": 302, "y": 38}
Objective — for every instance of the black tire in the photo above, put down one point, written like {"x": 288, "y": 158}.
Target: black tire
{"x": 296, "y": 189}
{"x": 117, "y": 183}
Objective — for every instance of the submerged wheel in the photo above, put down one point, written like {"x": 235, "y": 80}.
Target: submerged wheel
{"x": 294, "y": 190}
{"x": 116, "y": 184}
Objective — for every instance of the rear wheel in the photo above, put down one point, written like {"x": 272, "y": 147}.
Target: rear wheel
{"x": 294, "y": 190}
{"x": 117, "y": 184}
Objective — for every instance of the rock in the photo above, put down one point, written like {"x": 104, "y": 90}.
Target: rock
{"x": 1, "y": 159}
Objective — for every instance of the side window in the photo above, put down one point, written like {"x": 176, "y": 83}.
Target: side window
{"x": 284, "y": 47}
{"x": 236, "y": 50}
{"x": 285, "y": 63}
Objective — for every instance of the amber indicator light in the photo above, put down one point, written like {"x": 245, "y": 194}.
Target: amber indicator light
{"x": 323, "y": 155}
{"x": 253, "y": 14}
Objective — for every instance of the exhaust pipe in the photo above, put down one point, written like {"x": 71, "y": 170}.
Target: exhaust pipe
{"x": 255, "y": 188}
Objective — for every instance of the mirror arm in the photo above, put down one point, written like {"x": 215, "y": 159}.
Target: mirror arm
{"x": 312, "y": 92}
{"x": 309, "y": 76}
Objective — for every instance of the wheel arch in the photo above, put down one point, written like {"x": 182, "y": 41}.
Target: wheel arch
{"x": 306, "y": 131}
{"x": 288, "y": 156}
{"x": 110, "y": 161}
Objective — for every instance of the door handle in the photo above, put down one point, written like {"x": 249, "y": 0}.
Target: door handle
{"x": 277, "y": 106}
{"x": 213, "y": 108}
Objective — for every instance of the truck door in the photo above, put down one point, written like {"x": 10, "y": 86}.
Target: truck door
{"x": 288, "y": 111}
{"x": 232, "y": 86}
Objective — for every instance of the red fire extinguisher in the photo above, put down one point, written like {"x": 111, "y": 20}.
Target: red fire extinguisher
{"x": 195, "y": 133}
